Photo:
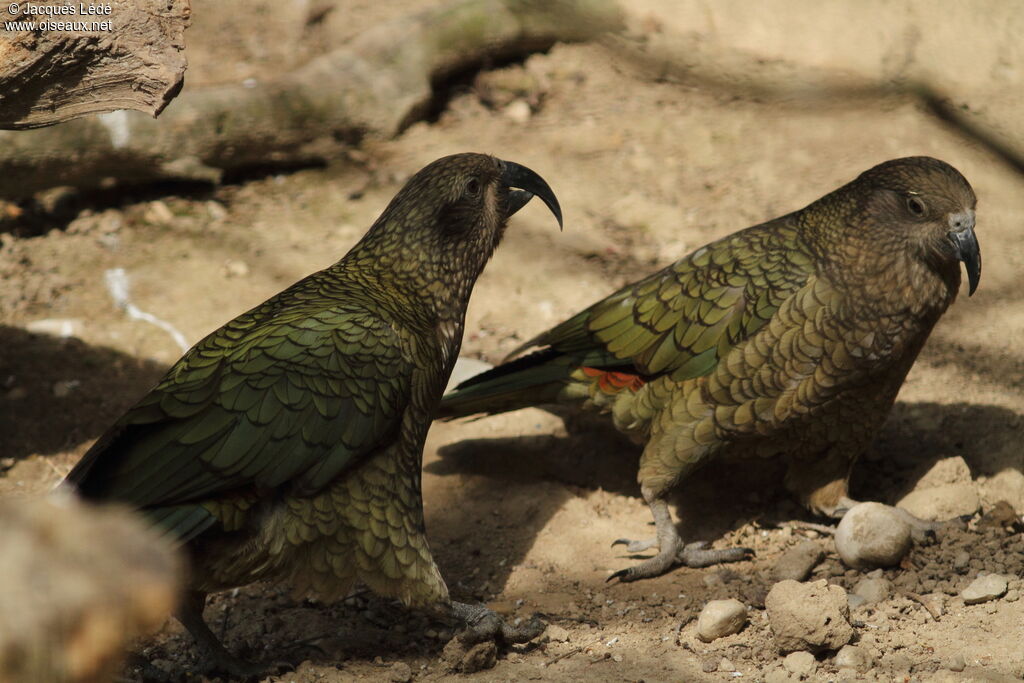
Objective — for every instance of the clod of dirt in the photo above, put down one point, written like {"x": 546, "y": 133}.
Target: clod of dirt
{"x": 984, "y": 588}
{"x": 942, "y": 502}
{"x": 797, "y": 562}
{"x": 872, "y": 590}
{"x": 721, "y": 618}
{"x": 872, "y": 535}
{"x": 467, "y": 659}
{"x": 556, "y": 634}
{"x": 808, "y": 616}
{"x": 800, "y": 663}
{"x": 853, "y": 657}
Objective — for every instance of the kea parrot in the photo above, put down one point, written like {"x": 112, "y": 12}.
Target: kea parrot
{"x": 287, "y": 445}
{"x": 788, "y": 338}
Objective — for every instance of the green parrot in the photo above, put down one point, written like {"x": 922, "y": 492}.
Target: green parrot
{"x": 788, "y": 338}
{"x": 287, "y": 444}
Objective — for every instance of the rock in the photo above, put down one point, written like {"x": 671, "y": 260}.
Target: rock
{"x": 954, "y": 470}
{"x": 557, "y": 634}
{"x": 400, "y": 672}
{"x": 956, "y": 663}
{"x": 873, "y": 590}
{"x": 797, "y": 562}
{"x": 721, "y": 618}
{"x": 872, "y": 535}
{"x": 709, "y": 666}
{"x": 725, "y": 664}
{"x": 800, "y": 663}
{"x": 943, "y": 502}
{"x": 984, "y": 588}
{"x": 853, "y": 657}
{"x": 808, "y": 616}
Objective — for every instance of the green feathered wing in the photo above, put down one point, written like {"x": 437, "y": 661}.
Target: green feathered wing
{"x": 677, "y": 322}
{"x": 282, "y": 396}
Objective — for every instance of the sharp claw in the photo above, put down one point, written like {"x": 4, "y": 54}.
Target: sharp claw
{"x": 621, "y": 541}
{"x": 621, "y": 575}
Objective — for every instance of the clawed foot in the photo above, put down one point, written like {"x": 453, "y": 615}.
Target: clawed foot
{"x": 695, "y": 555}
{"x": 636, "y": 546}
{"x": 700, "y": 554}
{"x": 484, "y": 624}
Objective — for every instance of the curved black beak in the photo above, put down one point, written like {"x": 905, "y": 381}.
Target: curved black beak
{"x": 965, "y": 243}
{"x": 528, "y": 184}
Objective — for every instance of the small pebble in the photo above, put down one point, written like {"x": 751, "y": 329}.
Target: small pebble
{"x": 721, "y": 618}
{"x": 872, "y": 535}
{"x": 725, "y": 664}
{"x": 800, "y": 663}
{"x": 956, "y": 663}
{"x": 1012, "y": 595}
{"x": 984, "y": 588}
{"x": 709, "y": 666}
{"x": 853, "y": 657}
{"x": 873, "y": 590}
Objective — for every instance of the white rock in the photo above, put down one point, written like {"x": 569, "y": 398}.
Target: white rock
{"x": 872, "y": 535}
{"x": 984, "y": 588}
{"x": 518, "y": 111}
{"x": 853, "y": 657}
{"x": 57, "y": 327}
{"x": 942, "y": 502}
{"x": 808, "y": 616}
{"x": 721, "y": 618}
{"x": 800, "y": 663}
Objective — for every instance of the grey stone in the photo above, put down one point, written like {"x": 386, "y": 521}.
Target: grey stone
{"x": 873, "y": 590}
{"x": 984, "y": 588}
{"x": 797, "y": 562}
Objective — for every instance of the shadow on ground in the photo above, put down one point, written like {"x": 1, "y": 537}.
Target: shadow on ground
{"x": 56, "y": 393}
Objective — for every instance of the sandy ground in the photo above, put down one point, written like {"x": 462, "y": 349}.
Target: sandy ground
{"x": 521, "y": 512}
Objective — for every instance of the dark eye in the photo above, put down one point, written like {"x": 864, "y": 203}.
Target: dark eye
{"x": 473, "y": 187}
{"x": 915, "y": 206}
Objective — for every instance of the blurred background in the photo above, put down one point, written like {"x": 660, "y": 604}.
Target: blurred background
{"x": 661, "y": 125}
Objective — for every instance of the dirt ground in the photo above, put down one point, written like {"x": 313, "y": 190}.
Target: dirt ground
{"x": 521, "y": 512}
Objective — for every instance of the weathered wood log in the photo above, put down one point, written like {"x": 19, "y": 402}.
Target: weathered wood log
{"x": 60, "y": 61}
{"x": 375, "y": 85}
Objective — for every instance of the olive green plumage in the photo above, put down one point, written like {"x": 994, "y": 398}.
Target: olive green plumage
{"x": 788, "y": 338}
{"x": 287, "y": 444}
